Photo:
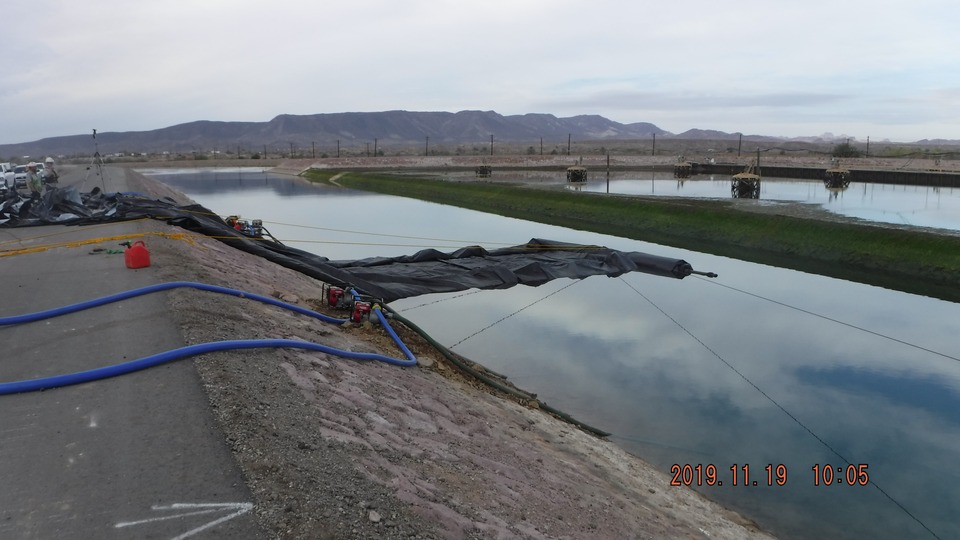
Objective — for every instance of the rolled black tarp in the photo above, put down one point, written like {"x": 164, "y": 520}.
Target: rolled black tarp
{"x": 431, "y": 271}
{"x": 385, "y": 278}
{"x": 534, "y": 263}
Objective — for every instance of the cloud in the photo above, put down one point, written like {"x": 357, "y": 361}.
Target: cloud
{"x": 684, "y": 101}
{"x": 793, "y": 68}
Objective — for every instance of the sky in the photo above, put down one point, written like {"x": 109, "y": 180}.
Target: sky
{"x": 887, "y": 70}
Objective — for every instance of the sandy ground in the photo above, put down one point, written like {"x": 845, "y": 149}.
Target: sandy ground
{"x": 337, "y": 448}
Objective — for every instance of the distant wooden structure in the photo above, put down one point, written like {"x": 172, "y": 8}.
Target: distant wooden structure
{"x": 682, "y": 168}
{"x": 483, "y": 171}
{"x": 836, "y": 177}
{"x": 899, "y": 175}
{"x": 746, "y": 185}
{"x": 576, "y": 174}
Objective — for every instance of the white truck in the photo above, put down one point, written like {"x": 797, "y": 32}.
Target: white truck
{"x": 7, "y": 170}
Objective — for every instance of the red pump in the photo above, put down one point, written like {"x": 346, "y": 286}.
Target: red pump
{"x": 334, "y": 294}
{"x": 361, "y": 311}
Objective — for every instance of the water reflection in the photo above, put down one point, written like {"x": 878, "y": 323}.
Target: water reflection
{"x": 612, "y": 358}
{"x": 834, "y": 193}
{"x": 887, "y": 203}
{"x": 228, "y": 180}
{"x": 693, "y": 371}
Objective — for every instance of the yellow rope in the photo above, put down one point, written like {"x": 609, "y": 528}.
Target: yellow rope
{"x": 186, "y": 237}
{"x": 67, "y": 230}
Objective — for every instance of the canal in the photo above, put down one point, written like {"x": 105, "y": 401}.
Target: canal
{"x": 780, "y": 388}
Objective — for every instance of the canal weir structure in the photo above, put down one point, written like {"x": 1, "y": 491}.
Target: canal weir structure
{"x": 877, "y": 176}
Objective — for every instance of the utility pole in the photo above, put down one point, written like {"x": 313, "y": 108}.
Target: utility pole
{"x": 338, "y": 147}
{"x": 374, "y": 147}
{"x": 568, "y": 144}
{"x": 313, "y": 146}
{"x": 368, "y": 149}
{"x": 654, "y": 151}
{"x": 541, "y": 146}
{"x": 491, "y": 145}
{"x": 608, "y": 172}
{"x": 868, "y": 146}
{"x": 740, "y": 144}
{"x": 426, "y": 147}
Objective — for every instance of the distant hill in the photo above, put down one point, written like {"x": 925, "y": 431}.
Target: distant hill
{"x": 390, "y": 128}
{"x": 351, "y": 129}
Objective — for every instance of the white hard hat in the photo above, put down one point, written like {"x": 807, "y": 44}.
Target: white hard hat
{"x": 48, "y": 160}
{"x": 31, "y": 165}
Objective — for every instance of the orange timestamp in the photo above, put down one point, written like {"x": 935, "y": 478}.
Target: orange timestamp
{"x": 770, "y": 475}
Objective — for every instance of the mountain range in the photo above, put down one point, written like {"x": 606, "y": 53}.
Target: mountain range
{"x": 352, "y": 129}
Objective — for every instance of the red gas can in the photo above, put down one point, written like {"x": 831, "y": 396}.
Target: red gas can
{"x": 137, "y": 256}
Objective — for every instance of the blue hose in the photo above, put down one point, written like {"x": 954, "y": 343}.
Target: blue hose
{"x": 393, "y": 334}
{"x": 40, "y": 315}
{"x": 191, "y": 350}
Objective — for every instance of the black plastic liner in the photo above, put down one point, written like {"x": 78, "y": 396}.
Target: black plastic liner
{"x": 428, "y": 271}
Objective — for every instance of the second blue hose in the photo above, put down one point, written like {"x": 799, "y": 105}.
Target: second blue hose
{"x": 72, "y": 308}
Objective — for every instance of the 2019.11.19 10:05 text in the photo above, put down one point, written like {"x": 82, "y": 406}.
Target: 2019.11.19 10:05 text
{"x": 771, "y": 475}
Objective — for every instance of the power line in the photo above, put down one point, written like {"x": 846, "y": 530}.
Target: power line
{"x": 468, "y": 293}
{"x": 824, "y": 317}
{"x": 347, "y": 231}
{"x": 572, "y": 283}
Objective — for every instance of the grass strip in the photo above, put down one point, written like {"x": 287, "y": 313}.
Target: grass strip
{"x": 907, "y": 260}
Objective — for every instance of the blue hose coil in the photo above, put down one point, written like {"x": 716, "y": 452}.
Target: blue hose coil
{"x": 80, "y": 377}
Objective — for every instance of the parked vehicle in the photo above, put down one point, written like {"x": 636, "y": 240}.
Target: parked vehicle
{"x": 6, "y": 169}
{"x": 19, "y": 176}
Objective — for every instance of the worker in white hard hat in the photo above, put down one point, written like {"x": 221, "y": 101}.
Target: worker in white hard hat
{"x": 50, "y": 174}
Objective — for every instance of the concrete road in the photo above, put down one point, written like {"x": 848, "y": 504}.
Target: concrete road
{"x": 137, "y": 456}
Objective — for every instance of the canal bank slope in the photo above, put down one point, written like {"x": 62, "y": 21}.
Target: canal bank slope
{"x": 790, "y": 235}
{"x": 335, "y": 448}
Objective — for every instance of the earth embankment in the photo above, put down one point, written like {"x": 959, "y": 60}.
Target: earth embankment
{"x": 335, "y": 448}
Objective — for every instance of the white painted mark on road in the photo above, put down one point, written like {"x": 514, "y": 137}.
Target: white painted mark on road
{"x": 193, "y": 509}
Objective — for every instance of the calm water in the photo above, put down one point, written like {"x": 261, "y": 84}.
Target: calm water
{"x": 759, "y": 366}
